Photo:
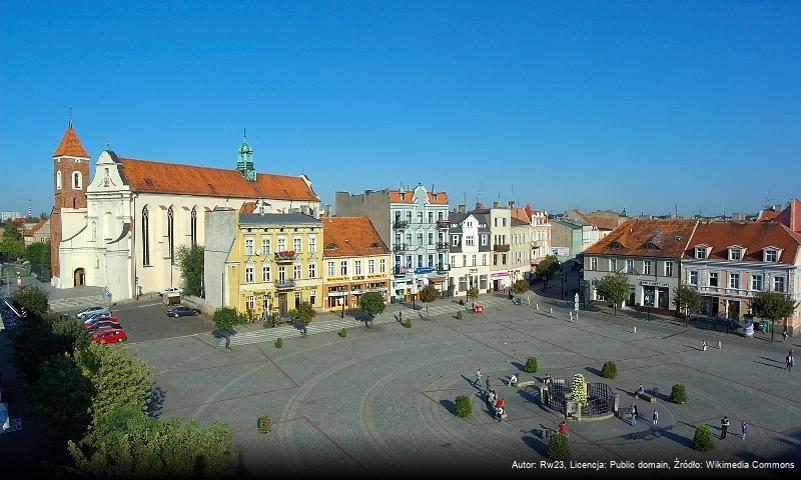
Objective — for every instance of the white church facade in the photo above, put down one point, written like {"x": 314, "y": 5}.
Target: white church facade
{"x": 138, "y": 213}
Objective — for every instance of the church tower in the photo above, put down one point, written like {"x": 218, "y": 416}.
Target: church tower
{"x": 70, "y": 179}
{"x": 245, "y": 161}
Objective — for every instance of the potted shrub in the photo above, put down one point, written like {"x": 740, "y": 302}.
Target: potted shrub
{"x": 265, "y": 424}
{"x": 407, "y": 323}
{"x": 559, "y": 448}
{"x": 678, "y": 394}
{"x": 343, "y": 333}
{"x": 703, "y": 440}
{"x": 459, "y": 315}
{"x": 531, "y": 365}
{"x": 463, "y": 407}
{"x": 609, "y": 370}
{"x": 279, "y": 342}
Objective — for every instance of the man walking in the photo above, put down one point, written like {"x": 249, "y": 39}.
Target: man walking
{"x": 656, "y": 418}
{"x": 487, "y": 383}
{"x": 744, "y": 428}
{"x": 784, "y": 335}
{"x": 724, "y": 427}
{"x": 633, "y": 414}
{"x": 513, "y": 380}
{"x": 477, "y": 383}
{"x": 789, "y": 361}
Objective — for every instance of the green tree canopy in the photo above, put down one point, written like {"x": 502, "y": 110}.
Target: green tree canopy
{"x": 614, "y": 288}
{"x": 129, "y": 444}
{"x": 428, "y": 294}
{"x": 11, "y": 247}
{"x": 687, "y": 300}
{"x": 372, "y": 303}
{"x": 773, "y": 306}
{"x": 547, "y": 268}
{"x": 33, "y": 299}
{"x": 40, "y": 338}
{"x": 190, "y": 262}
{"x": 472, "y": 293}
{"x": 305, "y": 313}
{"x": 226, "y": 318}
{"x": 63, "y": 394}
{"x": 520, "y": 287}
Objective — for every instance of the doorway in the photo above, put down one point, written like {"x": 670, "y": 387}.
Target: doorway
{"x": 733, "y": 309}
{"x": 79, "y": 277}
{"x": 282, "y": 304}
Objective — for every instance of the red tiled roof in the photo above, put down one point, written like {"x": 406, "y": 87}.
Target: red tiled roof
{"x": 751, "y": 236}
{"x": 354, "y": 237}
{"x": 439, "y": 198}
{"x": 247, "y": 207}
{"x": 602, "y": 221}
{"x": 791, "y": 216}
{"x": 31, "y": 231}
{"x": 646, "y": 238}
{"x": 177, "y": 178}
{"x": 767, "y": 215}
{"x": 521, "y": 214}
{"x": 70, "y": 145}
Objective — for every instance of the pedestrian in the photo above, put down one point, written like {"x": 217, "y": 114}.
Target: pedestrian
{"x": 513, "y": 380}
{"x": 499, "y": 413}
{"x": 478, "y": 378}
{"x": 487, "y": 383}
{"x": 656, "y": 417}
{"x": 724, "y": 427}
{"x": 703, "y": 345}
{"x": 228, "y": 341}
{"x": 640, "y": 390}
{"x": 784, "y": 335}
{"x": 547, "y": 379}
{"x": 744, "y": 428}
{"x": 633, "y": 414}
{"x": 491, "y": 396}
{"x": 790, "y": 361}
{"x": 563, "y": 430}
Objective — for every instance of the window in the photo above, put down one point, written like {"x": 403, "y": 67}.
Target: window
{"x": 370, "y": 266}
{"x": 630, "y": 266}
{"x": 408, "y": 261}
{"x": 694, "y": 277}
{"x": 249, "y": 246}
{"x": 464, "y": 260}
{"x": 296, "y": 272}
{"x": 312, "y": 244}
{"x": 58, "y": 180}
{"x": 77, "y": 181}
{"x": 455, "y": 240}
{"x": 265, "y": 245}
{"x": 281, "y": 273}
{"x": 503, "y": 256}
{"x": 419, "y": 238}
{"x": 419, "y": 217}
{"x": 778, "y": 284}
{"x": 430, "y": 217}
{"x": 431, "y": 260}
{"x": 593, "y": 263}
{"x": 357, "y": 267}
{"x": 419, "y": 260}
{"x": 462, "y": 284}
{"x": 408, "y": 239}
{"x": 265, "y": 273}
{"x": 613, "y": 265}
{"x": 734, "y": 280}
{"x": 700, "y": 252}
{"x": 297, "y": 299}
{"x": 756, "y": 282}
{"x": 469, "y": 240}
{"x": 713, "y": 279}
{"x": 474, "y": 260}
{"x": 431, "y": 238}
{"x": 171, "y": 234}
{"x": 382, "y": 265}
{"x": 248, "y": 274}
{"x": 770, "y": 255}
{"x": 734, "y": 254}
{"x": 343, "y": 267}
{"x": 484, "y": 240}
{"x": 312, "y": 270}
{"x": 484, "y": 259}
{"x": 668, "y": 269}
{"x": 646, "y": 267}
{"x": 331, "y": 271}
{"x": 145, "y": 237}
{"x": 312, "y": 298}
{"x": 249, "y": 302}
{"x": 281, "y": 244}
{"x": 193, "y": 226}
{"x": 297, "y": 244}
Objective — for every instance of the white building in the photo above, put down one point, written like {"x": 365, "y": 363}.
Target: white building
{"x": 470, "y": 253}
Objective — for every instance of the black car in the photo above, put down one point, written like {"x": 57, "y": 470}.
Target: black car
{"x": 182, "y": 311}
{"x": 103, "y": 324}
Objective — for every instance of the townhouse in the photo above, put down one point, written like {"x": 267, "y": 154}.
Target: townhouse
{"x": 469, "y": 253}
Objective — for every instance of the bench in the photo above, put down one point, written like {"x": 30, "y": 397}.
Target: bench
{"x": 647, "y": 398}
{"x": 525, "y": 384}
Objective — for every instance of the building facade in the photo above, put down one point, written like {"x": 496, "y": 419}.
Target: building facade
{"x": 124, "y": 231}
{"x": 413, "y": 222}
{"x": 649, "y": 254}
{"x": 470, "y": 253}
{"x": 356, "y": 261}
{"x": 40, "y": 232}
{"x": 272, "y": 263}
{"x": 571, "y": 236}
{"x": 728, "y": 263}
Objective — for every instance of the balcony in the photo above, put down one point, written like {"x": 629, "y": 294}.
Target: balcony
{"x": 443, "y": 268}
{"x": 442, "y": 245}
{"x": 502, "y": 248}
{"x": 443, "y": 223}
{"x": 400, "y": 224}
{"x": 285, "y": 284}
{"x": 398, "y": 247}
{"x": 401, "y": 271}
{"x": 286, "y": 256}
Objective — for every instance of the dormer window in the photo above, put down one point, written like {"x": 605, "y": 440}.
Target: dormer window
{"x": 616, "y": 245}
{"x": 651, "y": 246}
{"x": 770, "y": 255}
{"x": 700, "y": 252}
{"x": 735, "y": 254}
{"x": 332, "y": 246}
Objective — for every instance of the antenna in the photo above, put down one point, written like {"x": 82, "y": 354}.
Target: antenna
{"x": 70, "y": 118}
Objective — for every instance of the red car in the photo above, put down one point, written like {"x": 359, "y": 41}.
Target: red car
{"x": 94, "y": 321}
{"x": 109, "y": 335}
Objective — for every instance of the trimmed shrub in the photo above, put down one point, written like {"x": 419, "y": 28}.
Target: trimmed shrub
{"x": 579, "y": 391}
{"x": 265, "y": 424}
{"x": 459, "y": 315}
{"x": 559, "y": 448}
{"x": 343, "y": 333}
{"x": 463, "y": 407}
{"x": 609, "y": 370}
{"x": 407, "y": 323}
{"x": 678, "y": 394}
{"x": 703, "y": 440}
{"x": 531, "y": 365}
{"x": 279, "y": 342}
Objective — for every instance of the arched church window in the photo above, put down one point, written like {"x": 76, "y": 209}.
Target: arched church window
{"x": 193, "y": 226}
{"x": 77, "y": 180}
{"x": 58, "y": 180}
{"x": 145, "y": 237}
{"x": 171, "y": 233}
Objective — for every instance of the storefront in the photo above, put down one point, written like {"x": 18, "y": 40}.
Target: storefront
{"x": 655, "y": 294}
{"x": 500, "y": 281}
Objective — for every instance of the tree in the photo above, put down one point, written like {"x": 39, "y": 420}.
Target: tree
{"x": 11, "y": 247}
{"x": 10, "y": 231}
{"x": 40, "y": 338}
{"x": 520, "y": 287}
{"x": 687, "y": 300}
{"x": 428, "y": 295}
{"x": 614, "y": 288}
{"x": 547, "y": 268}
{"x": 558, "y": 448}
{"x": 64, "y": 396}
{"x": 33, "y": 299}
{"x": 303, "y": 314}
{"x": 226, "y": 318}
{"x": 129, "y": 444}
{"x": 38, "y": 252}
{"x": 372, "y": 303}
{"x": 472, "y": 293}
{"x": 190, "y": 262}
{"x": 772, "y": 306}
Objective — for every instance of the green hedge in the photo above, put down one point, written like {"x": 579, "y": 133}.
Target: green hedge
{"x": 279, "y": 342}
{"x": 678, "y": 394}
{"x": 531, "y": 365}
{"x": 463, "y": 407}
{"x": 265, "y": 424}
{"x": 703, "y": 440}
{"x": 559, "y": 448}
{"x": 609, "y": 370}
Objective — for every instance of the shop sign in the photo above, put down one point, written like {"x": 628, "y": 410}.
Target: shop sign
{"x": 500, "y": 274}
{"x": 358, "y": 277}
{"x": 336, "y": 279}
{"x": 647, "y": 283}
{"x": 377, "y": 275}
{"x": 424, "y": 270}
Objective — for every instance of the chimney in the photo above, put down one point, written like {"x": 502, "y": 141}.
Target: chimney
{"x": 328, "y": 210}
{"x": 460, "y": 208}
{"x": 261, "y": 207}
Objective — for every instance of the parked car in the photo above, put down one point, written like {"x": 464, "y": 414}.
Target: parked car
{"x": 96, "y": 314}
{"x": 8, "y": 303}
{"x": 167, "y": 291}
{"x": 102, "y": 324}
{"x": 92, "y": 321}
{"x": 90, "y": 310}
{"x": 182, "y": 311}
{"x": 110, "y": 335}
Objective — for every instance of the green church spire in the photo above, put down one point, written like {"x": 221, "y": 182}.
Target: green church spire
{"x": 245, "y": 161}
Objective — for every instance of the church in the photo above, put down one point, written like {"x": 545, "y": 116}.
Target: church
{"x": 121, "y": 230}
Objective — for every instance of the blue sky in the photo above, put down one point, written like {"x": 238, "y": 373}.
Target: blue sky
{"x": 583, "y": 105}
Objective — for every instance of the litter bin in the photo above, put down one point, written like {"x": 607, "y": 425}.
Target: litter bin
{"x": 478, "y": 308}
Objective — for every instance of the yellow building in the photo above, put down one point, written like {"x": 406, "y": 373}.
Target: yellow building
{"x": 274, "y": 263}
{"x": 356, "y": 261}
